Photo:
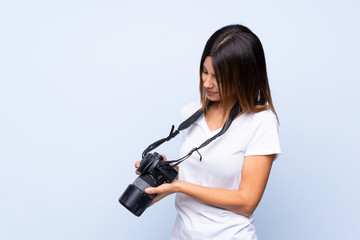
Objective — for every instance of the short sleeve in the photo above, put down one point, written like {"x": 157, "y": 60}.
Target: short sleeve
{"x": 265, "y": 140}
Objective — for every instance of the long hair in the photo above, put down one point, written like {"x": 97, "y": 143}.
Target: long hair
{"x": 240, "y": 70}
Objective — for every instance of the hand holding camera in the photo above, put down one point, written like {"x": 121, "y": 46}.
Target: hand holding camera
{"x": 163, "y": 190}
{"x": 153, "y": 171}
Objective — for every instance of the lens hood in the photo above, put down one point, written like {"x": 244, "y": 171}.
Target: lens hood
{"x": 135, "y": 200}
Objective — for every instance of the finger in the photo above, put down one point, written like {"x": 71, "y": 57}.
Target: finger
{"x": 165, "y": 158}
{"x": 151, "y": 190}
{"x": 155, "y": 200}
{"x": 137, "y": 164}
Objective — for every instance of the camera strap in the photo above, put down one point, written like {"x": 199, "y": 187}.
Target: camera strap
{"x": 187, "y": 123}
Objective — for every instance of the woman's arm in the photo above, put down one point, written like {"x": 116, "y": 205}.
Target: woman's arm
{"x": 254, "y": 177}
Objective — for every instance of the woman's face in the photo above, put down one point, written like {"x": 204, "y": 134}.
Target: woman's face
{"x": 209, "y": 81}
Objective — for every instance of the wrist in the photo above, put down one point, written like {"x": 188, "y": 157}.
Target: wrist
{"x": 179, "y": 186}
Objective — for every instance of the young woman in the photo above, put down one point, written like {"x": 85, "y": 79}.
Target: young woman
{"x": 216, "y": 197}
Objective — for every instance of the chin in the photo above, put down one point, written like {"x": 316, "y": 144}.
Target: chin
{"x": 213, "y": 99}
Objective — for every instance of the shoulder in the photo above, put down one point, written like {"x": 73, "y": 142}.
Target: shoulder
{"x": 189, "y": 109}
{"x": 264, "y": 116}
{"x": 259, "y": 120}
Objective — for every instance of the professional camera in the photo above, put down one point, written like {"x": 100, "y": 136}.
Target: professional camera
{"x": 154, "y": 171}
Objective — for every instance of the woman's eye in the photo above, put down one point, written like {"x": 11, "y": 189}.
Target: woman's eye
{"x": 205, "y": 72}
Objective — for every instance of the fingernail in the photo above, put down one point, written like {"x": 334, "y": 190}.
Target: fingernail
{"x": 147, "y": 190}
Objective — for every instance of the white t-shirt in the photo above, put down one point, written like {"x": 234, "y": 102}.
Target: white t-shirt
{"x": 221, "y": 165}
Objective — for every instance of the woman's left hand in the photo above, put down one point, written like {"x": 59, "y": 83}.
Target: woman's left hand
{"x": 163, "y": 190}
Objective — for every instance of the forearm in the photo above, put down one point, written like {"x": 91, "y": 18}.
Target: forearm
{"x": 244, "y": 200}
{"x": 233, "y": 200}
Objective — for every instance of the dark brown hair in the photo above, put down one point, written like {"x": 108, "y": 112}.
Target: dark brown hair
{"x": 240, "y": 70}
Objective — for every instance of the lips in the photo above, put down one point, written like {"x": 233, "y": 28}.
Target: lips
{"x": 209, "y": 93}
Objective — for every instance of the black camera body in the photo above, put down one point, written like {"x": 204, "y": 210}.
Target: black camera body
{"x": 154, "y": 171}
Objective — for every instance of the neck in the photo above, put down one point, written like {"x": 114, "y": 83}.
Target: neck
{"x": 216, "y": 112}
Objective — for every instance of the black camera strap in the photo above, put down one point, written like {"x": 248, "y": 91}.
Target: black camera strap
{"x": 187, "y": 123}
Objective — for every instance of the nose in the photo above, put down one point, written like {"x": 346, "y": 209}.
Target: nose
{"x": 208, "y": 82}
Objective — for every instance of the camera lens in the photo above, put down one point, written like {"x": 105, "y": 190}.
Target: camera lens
{"x": 135, "y": 200}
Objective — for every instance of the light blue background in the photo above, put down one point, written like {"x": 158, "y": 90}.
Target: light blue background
{"x": 87, "y": 85}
